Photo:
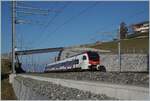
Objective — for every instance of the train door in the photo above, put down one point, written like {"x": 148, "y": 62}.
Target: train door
{"x": 84, "y": 63}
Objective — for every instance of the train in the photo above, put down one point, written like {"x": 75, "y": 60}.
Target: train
{"x": 88, "y": 60}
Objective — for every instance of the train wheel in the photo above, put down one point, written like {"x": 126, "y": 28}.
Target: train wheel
{"x": 92, "y": 68}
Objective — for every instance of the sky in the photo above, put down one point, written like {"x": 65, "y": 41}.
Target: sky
{"x": 68, "y": 23}
{"x": 74, "y": 23}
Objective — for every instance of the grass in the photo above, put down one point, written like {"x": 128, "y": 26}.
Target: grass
{"x": 136, "y": 45}
{"x": 137, "y": 35}
{"x": 5, "y": 66}
{"x": 7, "y": 92}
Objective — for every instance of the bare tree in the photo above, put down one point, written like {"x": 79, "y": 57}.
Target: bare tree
{"x": 123, "y": 30}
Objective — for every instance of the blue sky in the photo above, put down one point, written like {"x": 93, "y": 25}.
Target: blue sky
{"x": 77, "y": 23}
{"x": 84, "y": 27}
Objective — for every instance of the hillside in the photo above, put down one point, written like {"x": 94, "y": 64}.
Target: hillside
{"x": 135, "y": 35}
{"x": 130, "y": 45}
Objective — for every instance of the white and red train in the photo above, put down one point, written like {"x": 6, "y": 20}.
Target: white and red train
{"x": 84, "y": 61}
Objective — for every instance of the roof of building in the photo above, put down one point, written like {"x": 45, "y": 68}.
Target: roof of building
{"x": 144, "y": 22}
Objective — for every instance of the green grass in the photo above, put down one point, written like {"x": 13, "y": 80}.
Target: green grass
{"x": 136, "y": 45}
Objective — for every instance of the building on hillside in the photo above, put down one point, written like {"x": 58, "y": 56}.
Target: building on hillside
{"x": 142, "y": 27}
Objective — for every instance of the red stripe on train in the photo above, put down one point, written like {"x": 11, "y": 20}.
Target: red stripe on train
{"x": 94, "y": 62}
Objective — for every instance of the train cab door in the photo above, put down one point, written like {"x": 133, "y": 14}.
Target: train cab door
{"x": 84, "y": 63}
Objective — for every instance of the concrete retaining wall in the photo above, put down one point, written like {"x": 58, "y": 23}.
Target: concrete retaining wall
{"x": 23, "y": 91}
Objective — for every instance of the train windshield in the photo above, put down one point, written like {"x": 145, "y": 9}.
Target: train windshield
{"x": 93, "y": 56}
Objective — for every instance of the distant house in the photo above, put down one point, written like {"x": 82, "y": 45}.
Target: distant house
{"x": 142, "y": 27}
{"x": 98, "y": 42}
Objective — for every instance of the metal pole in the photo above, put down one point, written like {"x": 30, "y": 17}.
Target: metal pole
{"x": 13, "y": 36}
{"x": 119, "y": 49}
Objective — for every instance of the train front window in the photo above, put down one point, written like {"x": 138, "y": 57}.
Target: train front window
{"x": 84, "y": 57}
{"x": 93, "y": 56}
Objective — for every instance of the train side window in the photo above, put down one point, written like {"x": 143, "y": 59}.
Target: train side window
{"x": 77, "y": 61}
{"x": 84, "y": 58}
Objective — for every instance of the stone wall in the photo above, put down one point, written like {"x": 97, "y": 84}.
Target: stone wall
{"x": 129, "y": 62}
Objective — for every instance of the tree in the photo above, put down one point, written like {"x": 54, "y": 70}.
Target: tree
{"x": 123, "y": 30}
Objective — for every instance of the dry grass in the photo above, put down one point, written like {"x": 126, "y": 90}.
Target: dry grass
{"x": 7, "y": 92}
{"x": 127, "y": 46}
